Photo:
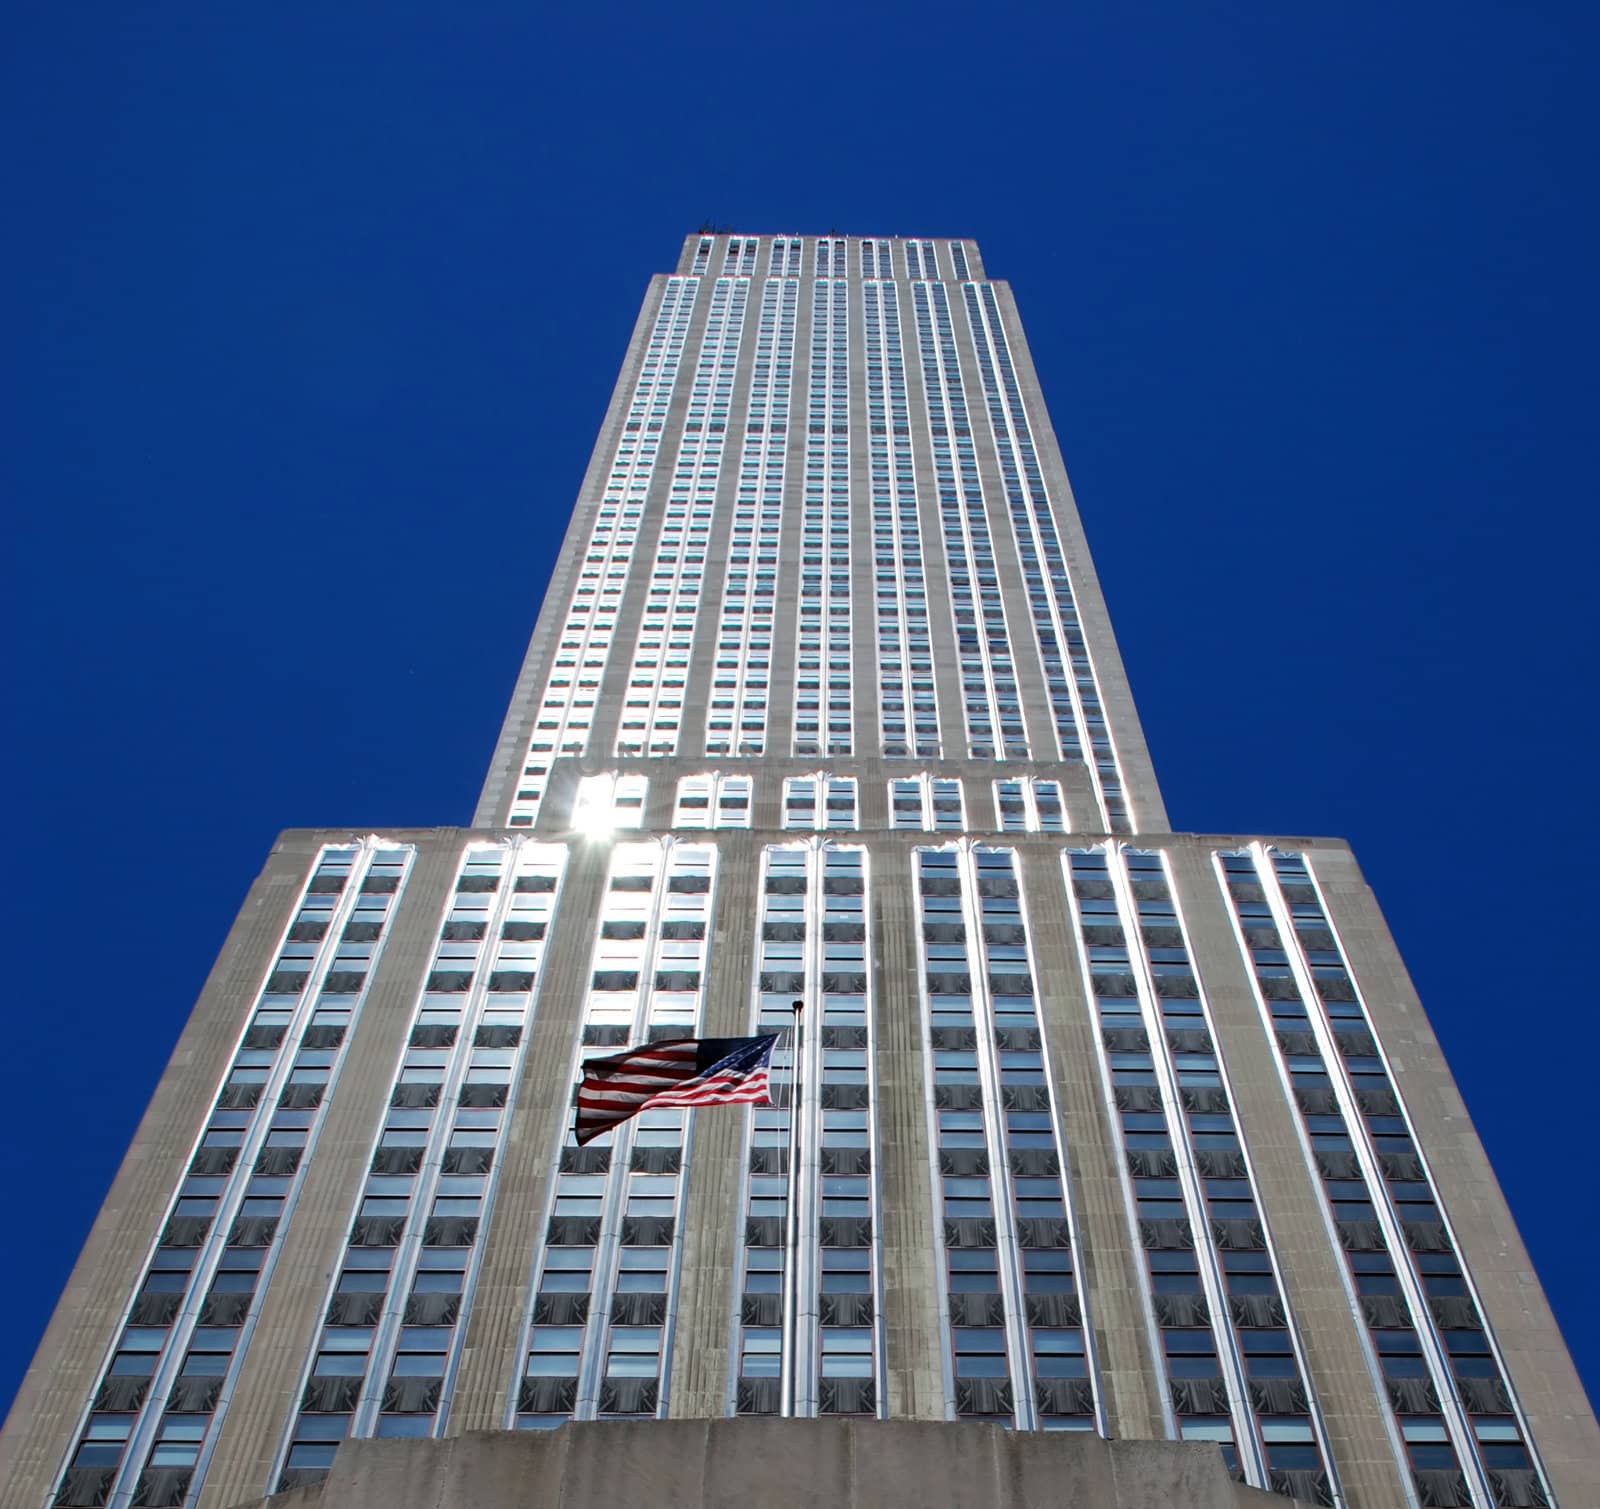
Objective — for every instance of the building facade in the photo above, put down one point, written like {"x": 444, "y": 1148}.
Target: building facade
{"x": 1104, "y": 1129}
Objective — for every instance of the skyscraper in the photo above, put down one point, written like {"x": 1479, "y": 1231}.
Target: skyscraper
{"x": 1104, "y": 1129}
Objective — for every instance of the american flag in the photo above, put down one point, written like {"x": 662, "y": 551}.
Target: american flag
{"x": 690, "y": 1071}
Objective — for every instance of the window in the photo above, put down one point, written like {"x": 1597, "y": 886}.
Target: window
{"x": 926, "y": 802}
{"x": 819, "y": 801}
{"x": 1029, "y": 805}
{"x": 713, "y": 801}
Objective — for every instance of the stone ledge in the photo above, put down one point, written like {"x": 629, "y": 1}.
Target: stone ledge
{"x": 777, "y": 1464}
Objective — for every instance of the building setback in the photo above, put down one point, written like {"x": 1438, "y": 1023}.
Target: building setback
{"x": 1104, "y": 1130}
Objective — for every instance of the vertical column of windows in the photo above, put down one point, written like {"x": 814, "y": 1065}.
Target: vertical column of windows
{"x": 822, "y": 672}
{"x": 846, "y": 1273}
{"x": 958, "y": 258}
{"x": 1464, "y": 1437}
{"x": 787, "y": 252}
{"x": 1017, "y": 1341}
{"x": 153, "y": 1416}
{"x": 877, "y": 260}
{"x": 390, "y": 1342}
{"x": 921, "y": 261}
{"x": 713, "y": 801}
{"x": 739, "y": 261}
{"x": 599, "y": 1336}
{"x": 782, "y": 977}
{"x": 1029, "y": 804}
{"x": 1074, "y": 694}
{"x": 819, "y": 801}
{"x": 1206, "y": 1403}
{"x": 927, "y": 802}
{"x": 634, "y": 1347}
{"x": 814, "y": 946}
{"x": 1198, "y": 1393}
{"x": 702, "y": 255}
{"x": 566, "y": 708}
{"x": 988, "y": 676}
{"x": 737, "y": 718}
{"x": 907, "y": 704}
{"x": 1235, "y": 1369}
{"x": 652, "y": 710}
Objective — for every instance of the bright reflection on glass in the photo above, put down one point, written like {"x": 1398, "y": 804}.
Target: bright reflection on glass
{"x": 608, "y": 802}
{"x": 594, "y": 813}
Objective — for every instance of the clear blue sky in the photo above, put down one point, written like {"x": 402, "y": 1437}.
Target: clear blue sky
{"x": 311, "y": 313}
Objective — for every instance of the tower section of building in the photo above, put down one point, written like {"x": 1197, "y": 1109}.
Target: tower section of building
{"x": 826, "y": 529}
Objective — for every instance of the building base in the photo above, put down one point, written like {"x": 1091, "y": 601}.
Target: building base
{"x": 777, "y": 1464}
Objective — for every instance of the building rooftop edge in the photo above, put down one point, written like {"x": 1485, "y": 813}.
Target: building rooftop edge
{"x": 922, "y": 836}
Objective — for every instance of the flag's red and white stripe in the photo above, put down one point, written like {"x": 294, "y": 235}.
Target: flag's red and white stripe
{"x": 684, "y": 1072}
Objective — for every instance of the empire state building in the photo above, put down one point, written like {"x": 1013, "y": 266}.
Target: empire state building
{"x": 1127, "y": 1168}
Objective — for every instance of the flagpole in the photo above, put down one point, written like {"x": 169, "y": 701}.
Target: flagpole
{"x": 791, "y": 1225}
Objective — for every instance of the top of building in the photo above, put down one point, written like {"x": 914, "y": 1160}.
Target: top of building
{"x": 724, "y": 254}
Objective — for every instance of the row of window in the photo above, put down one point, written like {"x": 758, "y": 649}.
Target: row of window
{"x": 715, "y": 800}
{"x": 566, "y": 709}
{"x": 919, "y": 259}
{"x": 1446, "y": 1391}
{"x": 158, "y": 1403}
